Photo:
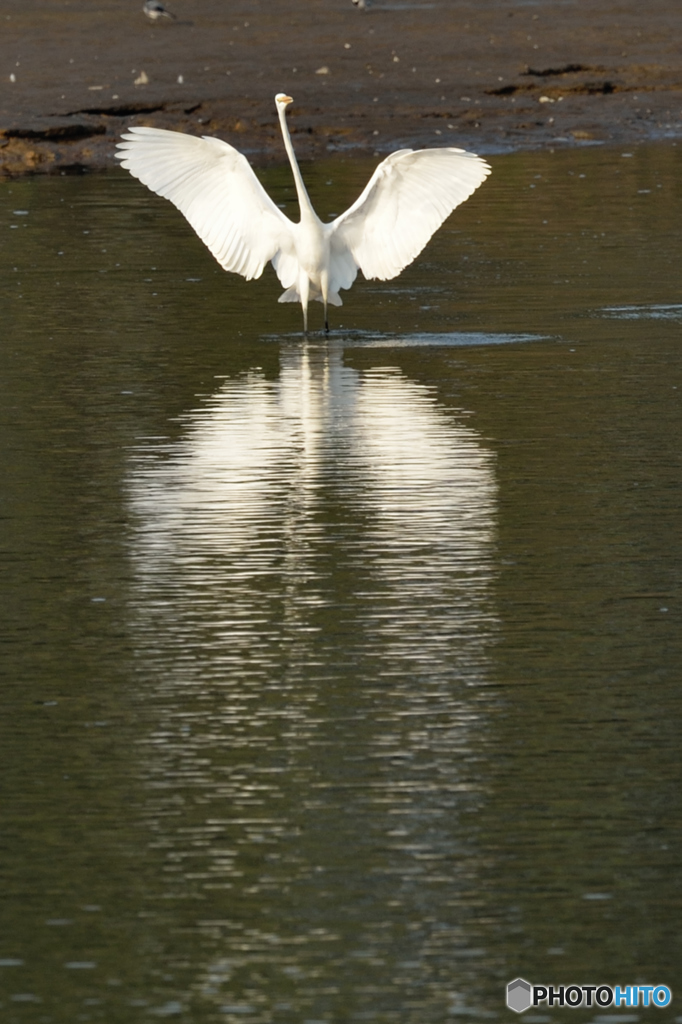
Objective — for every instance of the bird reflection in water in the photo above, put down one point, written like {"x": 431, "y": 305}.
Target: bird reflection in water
{"x": 333, "y": 515}
{"x": 312, "y": 625}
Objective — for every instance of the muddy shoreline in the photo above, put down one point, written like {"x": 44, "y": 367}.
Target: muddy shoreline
{"x": 488, "y": 76}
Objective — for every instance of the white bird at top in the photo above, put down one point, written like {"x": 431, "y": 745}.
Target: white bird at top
{"x": 155, "y": 10}
{"x": 405, "y": 201}
{"x": 362, "y": 5}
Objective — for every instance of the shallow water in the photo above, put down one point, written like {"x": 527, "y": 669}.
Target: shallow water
{"x": 341, "y": 676}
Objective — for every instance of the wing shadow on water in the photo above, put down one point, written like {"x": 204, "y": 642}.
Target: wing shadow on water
{"x": 313, "y": 623}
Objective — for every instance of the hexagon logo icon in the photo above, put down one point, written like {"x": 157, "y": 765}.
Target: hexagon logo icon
{"x": 518, "y": 995}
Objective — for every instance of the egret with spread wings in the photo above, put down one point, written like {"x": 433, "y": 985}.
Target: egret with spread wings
{"x": 406, "y": 200}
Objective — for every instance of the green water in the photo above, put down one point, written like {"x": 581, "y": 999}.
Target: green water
{"x": 341, "y": 677}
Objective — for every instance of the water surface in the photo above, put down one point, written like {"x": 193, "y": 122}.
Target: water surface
{"x": 341, "y": 676}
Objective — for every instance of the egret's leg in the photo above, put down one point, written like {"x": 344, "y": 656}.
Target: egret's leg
{"x": 304, "y": 292}
{"x": 324, "y": 282}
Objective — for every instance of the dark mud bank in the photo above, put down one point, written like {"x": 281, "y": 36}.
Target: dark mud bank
{"x": 482, "y": 75}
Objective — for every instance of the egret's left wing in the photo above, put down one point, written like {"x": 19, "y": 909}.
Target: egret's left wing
{"x": 406, "y": 200}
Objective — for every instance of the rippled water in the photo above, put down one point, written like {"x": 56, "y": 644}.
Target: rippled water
{"x": 341, "y": 675}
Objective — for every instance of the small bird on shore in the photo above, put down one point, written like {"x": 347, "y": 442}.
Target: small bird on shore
{"x": 406, "y": 200}
{"x": 362, "y": 5}
{"x": 154, "y": 10}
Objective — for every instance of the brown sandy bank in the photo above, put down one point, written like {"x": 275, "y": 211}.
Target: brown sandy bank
{"x": 483, "y": 75}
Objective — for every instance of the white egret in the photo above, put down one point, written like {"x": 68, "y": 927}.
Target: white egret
{"x": 406, "y": 200}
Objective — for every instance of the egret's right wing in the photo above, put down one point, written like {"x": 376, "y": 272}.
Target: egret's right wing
{"x": 213, "y": 185}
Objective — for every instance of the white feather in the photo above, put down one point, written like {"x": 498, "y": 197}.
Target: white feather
{"x": 212, "y": 184}
{"x": 406, "y": 200}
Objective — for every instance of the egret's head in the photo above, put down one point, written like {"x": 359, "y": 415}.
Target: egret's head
{"x": 282, "y": 100}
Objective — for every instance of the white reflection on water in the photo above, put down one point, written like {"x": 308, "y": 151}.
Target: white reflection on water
{"x": 652, "y": 312}
{"x": 332, "y": 504}
{"x": 312, "y": 617}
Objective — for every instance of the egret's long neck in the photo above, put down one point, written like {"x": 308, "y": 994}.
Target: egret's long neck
{"x": 304, "y": 203}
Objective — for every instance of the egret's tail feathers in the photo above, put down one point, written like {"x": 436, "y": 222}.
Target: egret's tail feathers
{"x": 333, "y": 299}
{"x": 293, "y": 295}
